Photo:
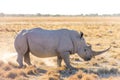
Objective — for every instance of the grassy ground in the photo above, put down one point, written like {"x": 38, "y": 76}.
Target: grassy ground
{"x": 98, "y": 31}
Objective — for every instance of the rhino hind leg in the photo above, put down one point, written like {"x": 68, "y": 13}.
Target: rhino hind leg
{"x": 27, "y": 58}
{"x": 21, "y": 47}
{"x": 20, "y": 60}
{"x": 59, "y": 60}
{"x": 20, "y": 56}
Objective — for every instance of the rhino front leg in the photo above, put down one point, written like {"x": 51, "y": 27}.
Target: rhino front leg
{"x": 59, "y": 60}
{"x": 65, "y": 57}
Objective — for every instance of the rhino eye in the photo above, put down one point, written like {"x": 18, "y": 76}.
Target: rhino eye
{"x": 85, "y": 49}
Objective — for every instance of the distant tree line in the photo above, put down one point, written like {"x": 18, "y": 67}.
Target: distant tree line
{"x": 56, "y": 15}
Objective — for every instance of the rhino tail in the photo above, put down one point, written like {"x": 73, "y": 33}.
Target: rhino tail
{"x": 21, "y": 42}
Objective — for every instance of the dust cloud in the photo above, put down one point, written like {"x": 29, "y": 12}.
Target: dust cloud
{"x": 8, "y": 57}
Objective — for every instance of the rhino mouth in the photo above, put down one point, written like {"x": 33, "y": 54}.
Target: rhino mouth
{"x": 87, "y": 59}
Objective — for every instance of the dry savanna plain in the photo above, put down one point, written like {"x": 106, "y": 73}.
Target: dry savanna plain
{"x": 100, "y": 32}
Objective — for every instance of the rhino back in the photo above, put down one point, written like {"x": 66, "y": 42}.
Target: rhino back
{"x": 45, "y": 43}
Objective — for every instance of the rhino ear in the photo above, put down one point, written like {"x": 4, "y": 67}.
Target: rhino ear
{"x": 81, "y": 34}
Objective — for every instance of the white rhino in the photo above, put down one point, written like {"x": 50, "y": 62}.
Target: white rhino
{"x": 48, "y": 43}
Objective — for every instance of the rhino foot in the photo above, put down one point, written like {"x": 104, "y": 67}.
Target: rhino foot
{"x": 22, "y": 66}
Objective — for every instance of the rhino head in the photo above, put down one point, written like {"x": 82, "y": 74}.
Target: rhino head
{"x": 85, "y": 51}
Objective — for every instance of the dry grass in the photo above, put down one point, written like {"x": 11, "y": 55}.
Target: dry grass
{"x": 83, "y": 76}
{"x": 99, "y": 31}
{"x": 9, "y": 71}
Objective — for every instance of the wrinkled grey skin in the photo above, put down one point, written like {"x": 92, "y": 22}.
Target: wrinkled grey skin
{"x": 49, "y": 43}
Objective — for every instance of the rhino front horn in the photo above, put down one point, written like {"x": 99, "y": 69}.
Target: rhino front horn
{"x": 100, "y": 52}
